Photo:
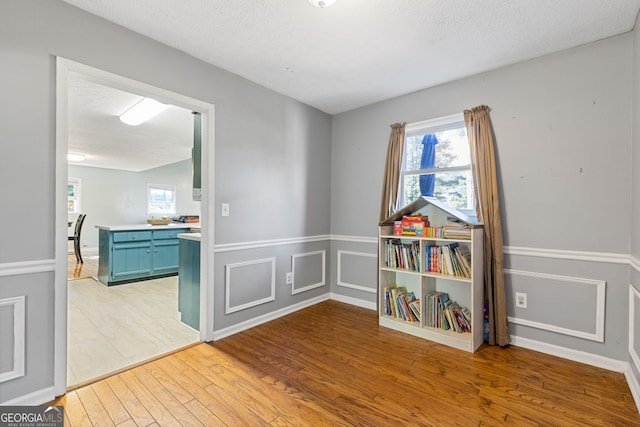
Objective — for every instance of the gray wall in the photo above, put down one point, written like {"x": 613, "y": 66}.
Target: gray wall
{"x": 272, "y": 162}
{"x": 563, "y": 129}
{"x": 114, "y": 197}
{"x": 634, "y": 336}
{"x": 564, "y": 142}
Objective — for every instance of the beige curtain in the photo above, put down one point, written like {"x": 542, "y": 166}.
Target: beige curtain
{"x": 483, "y": 167}
{"x": 392, "y": 170}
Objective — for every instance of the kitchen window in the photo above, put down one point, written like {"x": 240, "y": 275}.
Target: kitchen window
{"x": 161, "y": 199}
{"x": 74, "y": 188}
{"x": 437, "y": 163}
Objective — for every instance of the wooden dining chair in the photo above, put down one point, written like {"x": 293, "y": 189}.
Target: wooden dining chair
{"x": 76, "y": 237}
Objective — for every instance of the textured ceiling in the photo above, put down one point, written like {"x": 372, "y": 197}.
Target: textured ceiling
{"x": 354, "y": 53}
{"x": 358, "y": 52}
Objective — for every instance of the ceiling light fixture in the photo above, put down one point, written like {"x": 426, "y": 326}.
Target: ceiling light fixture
{"x": 73, "y": 157}
{"x": 142, "y": 111}
{"x": 322, "y": 3}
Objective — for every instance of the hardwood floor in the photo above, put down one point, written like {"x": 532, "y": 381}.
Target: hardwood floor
{"x": 84, "y": 270}
{"x": 331, "y": 364}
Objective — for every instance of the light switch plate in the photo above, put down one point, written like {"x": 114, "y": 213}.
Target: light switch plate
{"x": 225, "y": 209}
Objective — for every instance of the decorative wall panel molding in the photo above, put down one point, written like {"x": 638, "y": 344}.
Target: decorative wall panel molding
{"x": 360, "y": 287}
{"x": 27, "y": 267}
{"x": 240, "y": 246}
{"x": 634, "y": 312}
{"x": 598, "y": 286}
{"x": 355, "y": 239}
{"x": 297, "y": 285}
{"x": 230, "y": 247}
{"x": 608, "y": 257}
{"x": 269, "y": 280}
{"x": 17, "y": 307}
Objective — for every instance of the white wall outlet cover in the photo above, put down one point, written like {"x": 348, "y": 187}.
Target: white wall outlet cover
{"x": 521, "y": 300}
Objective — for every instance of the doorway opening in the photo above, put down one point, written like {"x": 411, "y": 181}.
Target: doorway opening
{"x": 121, "y": 314}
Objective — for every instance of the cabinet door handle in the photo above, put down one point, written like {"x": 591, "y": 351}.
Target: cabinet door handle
{"x": 155, "y": 250}
{"x": 133, "y": 237}
{"x": 148, "y": 251}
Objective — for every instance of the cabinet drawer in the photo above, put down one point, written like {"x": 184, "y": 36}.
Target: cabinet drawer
{"x": 128, "y": 236}
{"x": 167, "y": 234}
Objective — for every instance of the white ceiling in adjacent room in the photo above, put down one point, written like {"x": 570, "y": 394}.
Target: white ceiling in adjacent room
{"x": 95, "y": 130}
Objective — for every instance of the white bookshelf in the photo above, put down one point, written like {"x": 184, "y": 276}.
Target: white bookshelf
{"x": 467, "y": 292}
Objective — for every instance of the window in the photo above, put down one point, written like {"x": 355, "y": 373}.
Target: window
{"x": 161, "y": 199}
{"x": 73, "y": 195}
{"x": 437, "y": 163}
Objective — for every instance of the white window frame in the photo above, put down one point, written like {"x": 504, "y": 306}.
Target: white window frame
{"x": 77, "y": 183}
{"x": 453, "y": 121}
{"x": 165, "y": 187}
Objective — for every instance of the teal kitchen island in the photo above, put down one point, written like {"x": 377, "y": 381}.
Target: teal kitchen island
{"x": 129, "y": 253}
{"x": 189, "y": 279}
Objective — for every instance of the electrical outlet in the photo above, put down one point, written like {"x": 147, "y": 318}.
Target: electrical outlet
{"x": 289, "y": 279}
{"x": 521, "y": 300}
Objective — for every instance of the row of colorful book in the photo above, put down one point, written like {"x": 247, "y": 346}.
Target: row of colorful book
{"x": 443, "y": 313}
{"x": 401, "y": 304}
{"x": 454, "y": 229}
{"x": 452, "y": 260}
{"x": 402, "y": 255}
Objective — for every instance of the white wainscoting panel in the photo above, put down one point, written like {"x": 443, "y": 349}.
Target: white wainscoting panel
{"x": 321, "y": 281}
{"x": 608, "y": 257}
{"x": 17, "y": 306}
{"x": 345, "y": 284}
{"x": 600, "y": 290}
{"x": 634, "y": 311}
{"x": 27, "y": 267}
{"x": 229, "y": 288}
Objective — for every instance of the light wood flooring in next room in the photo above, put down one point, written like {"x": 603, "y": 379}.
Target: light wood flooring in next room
{"x": 332, "y": 365}
{"x": 115, "y": 327}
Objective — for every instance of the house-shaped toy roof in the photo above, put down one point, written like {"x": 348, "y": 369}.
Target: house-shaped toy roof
{"x": 430, "y": 206}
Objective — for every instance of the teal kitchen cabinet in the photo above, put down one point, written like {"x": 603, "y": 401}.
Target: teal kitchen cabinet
{"x": 131, "y": 255}
{"x": 165, "y": 251}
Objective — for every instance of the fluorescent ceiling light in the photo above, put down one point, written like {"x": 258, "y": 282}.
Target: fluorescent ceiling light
{"x": 143, "y": 111}
{"x": 322, "y": 3}
{"x": 73, "y": 157}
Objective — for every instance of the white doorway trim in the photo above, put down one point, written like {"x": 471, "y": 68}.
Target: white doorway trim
{"x": 207, "y": 212}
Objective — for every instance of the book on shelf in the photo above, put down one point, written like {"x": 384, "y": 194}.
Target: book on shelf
{"x": 445, "y": 314}
{"x": 402, "y": 255}
{"x": 401, "y": 304}
{"x": 451, "y": 260}
{"x": 455, "y": 229}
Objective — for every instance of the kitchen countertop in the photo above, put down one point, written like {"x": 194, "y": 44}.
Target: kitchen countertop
{"x": 143, "y": 227}
{"x": 190, "y": 236}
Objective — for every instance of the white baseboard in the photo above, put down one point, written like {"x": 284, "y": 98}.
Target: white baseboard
{"x": 243, "y": 326}
{"x": 634, "y": 386}
{"x": 575, "y": 355}
{"x": 354, "y": 301}
{"x": 38, "y": 397}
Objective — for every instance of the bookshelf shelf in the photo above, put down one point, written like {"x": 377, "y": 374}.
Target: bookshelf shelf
{"x": 435, "y": 239}
{"x": 401, "y": 270}
{"x": 414, "y": 300}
